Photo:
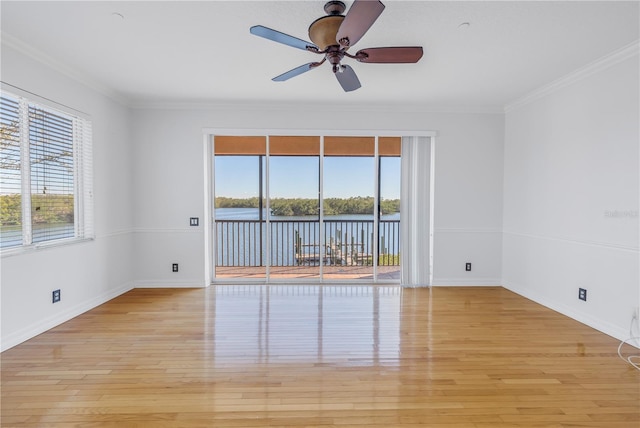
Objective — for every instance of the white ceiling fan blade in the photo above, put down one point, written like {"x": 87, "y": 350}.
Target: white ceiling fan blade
{"x": 347, "y": 78}
{"x": 294, "y": 72}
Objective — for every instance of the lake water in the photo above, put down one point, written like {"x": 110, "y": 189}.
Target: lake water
{"x": 240, "y": 237}
{"x": 253, "y": 214}
{"x": 11, "y": 236}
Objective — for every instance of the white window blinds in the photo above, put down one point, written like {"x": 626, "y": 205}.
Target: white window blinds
{"x": 52, "y": 175}
{"x": 46, "y": 190}
{"x": 10, "y": 172}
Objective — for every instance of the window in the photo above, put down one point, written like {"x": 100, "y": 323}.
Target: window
{"x": 45, "y": 171}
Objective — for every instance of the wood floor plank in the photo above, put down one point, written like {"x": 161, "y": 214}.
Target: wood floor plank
{"x": 319, "y": 356}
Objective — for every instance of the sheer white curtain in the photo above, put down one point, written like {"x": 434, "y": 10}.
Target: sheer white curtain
{"x": 416, "y": 213}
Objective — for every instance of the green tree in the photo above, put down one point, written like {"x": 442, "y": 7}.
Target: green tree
{"x": 10, "y": 210}
{"x": 309, "y": 207}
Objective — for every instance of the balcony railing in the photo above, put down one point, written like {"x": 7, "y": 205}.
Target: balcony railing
{"x": 243, "y": 243}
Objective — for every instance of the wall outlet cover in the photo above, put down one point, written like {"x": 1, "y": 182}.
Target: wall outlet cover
{"x": 582, "y": 294}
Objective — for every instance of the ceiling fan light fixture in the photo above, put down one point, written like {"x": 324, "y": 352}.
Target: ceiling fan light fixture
{"x": 322, "y": 31}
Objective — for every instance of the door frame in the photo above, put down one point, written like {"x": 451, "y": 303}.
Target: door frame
{"x": 208, "y": 143}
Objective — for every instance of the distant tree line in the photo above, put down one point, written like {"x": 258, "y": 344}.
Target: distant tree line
{"x": 47, "y": 209}
{"x": 306, "y": 207}
{"x": 10, "y": 210}
{"x": 224, "y": 202}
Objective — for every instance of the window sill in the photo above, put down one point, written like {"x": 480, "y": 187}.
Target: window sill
{"x": 28, "y": 249}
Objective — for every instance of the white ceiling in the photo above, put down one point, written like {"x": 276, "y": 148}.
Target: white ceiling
{"x": 202, "y": 51}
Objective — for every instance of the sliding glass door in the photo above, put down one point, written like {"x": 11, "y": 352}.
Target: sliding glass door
{"x": 294, "y": 182}
{"x": 349, "y": 194}
{"x": 239, "y": 208}
{"x": 311, "y": 207}
{"x": 389, "y": 216}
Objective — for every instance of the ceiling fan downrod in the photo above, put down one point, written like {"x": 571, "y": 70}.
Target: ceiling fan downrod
{"x": 334, "y": 7}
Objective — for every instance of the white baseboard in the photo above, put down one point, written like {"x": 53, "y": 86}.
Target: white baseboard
{"x": 414, "y": 285}
{"x": 163, "y": 283}
{"x": 26, "y": 333}
{"x": 595, "y": 323}
{"x": 466, "y": 282}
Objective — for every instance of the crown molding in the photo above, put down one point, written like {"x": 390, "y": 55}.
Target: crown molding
{"x": 258, "y": 105}
{"x": 615, "y": 57}
{"x": 41, "y": 57}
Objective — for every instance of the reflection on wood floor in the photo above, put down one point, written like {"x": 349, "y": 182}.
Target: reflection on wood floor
{"x": 384, "y": 273}
{"x": 319, "y": 356}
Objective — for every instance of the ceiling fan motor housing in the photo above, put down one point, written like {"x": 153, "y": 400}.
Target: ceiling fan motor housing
{"x": 322, "y": 31}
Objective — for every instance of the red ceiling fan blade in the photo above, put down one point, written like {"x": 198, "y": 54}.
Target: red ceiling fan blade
{"x": 347, "y": 78}
{"x": 392, "y": 55}
{"x": 359, "y": 18}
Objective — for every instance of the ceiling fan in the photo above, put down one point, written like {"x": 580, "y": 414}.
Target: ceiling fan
{"x": 332, "y": 35}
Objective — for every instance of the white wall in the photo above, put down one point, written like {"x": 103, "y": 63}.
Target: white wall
{"x": 468, "y": 199}
{"x": 88, "y": 273}
{"x": 571, "y": 162}
{"x": 169, "y": 185}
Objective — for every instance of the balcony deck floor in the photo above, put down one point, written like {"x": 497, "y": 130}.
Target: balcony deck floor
{"x": 385, "y": 273}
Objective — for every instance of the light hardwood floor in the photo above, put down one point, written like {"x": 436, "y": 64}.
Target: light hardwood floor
{"x": 319, "y": 356}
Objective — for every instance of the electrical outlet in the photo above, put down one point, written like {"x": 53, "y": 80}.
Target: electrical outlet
{"x": 582, "y": 294}
{"x": 174, "y": 267}
{"x": 194, "y": 221}
{"x": 55, "y": 296}
{"x": 467, "y": 267}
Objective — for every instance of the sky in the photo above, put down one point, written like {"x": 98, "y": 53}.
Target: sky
{"x": 297, "y": 177}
